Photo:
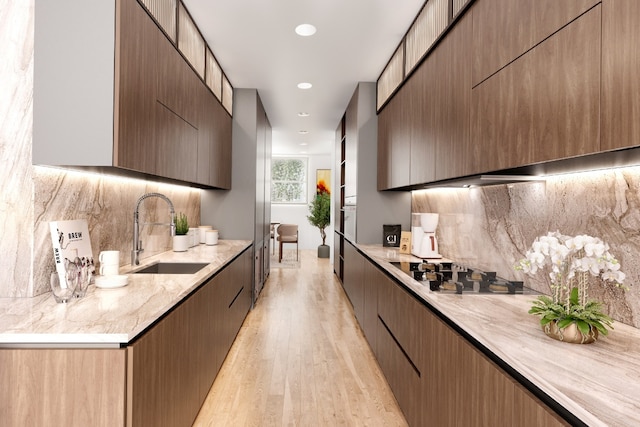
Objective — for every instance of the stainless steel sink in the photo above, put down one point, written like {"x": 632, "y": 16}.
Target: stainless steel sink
{"x": 172, "y": 268}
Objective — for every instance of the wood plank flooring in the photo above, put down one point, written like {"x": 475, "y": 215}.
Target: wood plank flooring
{"x": 300, "y": 359}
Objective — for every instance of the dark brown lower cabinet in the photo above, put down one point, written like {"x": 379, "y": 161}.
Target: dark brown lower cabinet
{"x": 438, "y": 377}
{"x": 353, "y": 282}
{"x": 372, "y": 280}
{"x": 173, "y": 365}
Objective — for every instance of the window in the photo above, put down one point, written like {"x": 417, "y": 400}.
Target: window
{"x": 289, "y": 180}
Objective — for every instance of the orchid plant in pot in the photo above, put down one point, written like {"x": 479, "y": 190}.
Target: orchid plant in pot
{"x": 568, "y": 314}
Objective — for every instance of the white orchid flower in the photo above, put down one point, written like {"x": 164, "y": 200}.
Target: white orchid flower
{"x": 594, "y": 249}
{"x": 567, "y": 255}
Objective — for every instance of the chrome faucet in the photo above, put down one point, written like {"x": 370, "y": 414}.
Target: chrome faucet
{"x": 137, "y": 243}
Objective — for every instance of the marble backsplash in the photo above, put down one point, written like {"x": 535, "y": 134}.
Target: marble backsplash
{"x": 107, "y": 203}
{"x": 492, "y": 227}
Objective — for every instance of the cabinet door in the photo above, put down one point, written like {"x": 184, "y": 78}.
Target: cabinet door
{"x": 164, "y": 389}
{"x": 206, "y": 128}
{"x": 422, "y": 109}
{"x": 394, "y": 142}
{"x": 136, "y": 90}
{"x": 205, "y": 329}
{"x": 177, "y": 146}
{"x": 234, "y": 283}
{"x": 530, "y": 411}
{"x": 338, "y": 242}
{"x": 505, "y": 29}
{"x": 62, "y": 387}
{"x": 545, "y": 105}
{"x": 455, "y": 371}
{"x": 373, "y": 279}
{"x": 452, "y": 86}
{"x": 399, "y": 347}
{"x": 353, "y": 284}
{"x": 214, "y": 142}
{"x": 172, "y": 366}
{"x": 620, "y": 70}
{"x": 351, "y": 147}
{"x": 240, "y": 302}
{"x": 178, "y": 85}
{"x": 385, "y": 123}
{"x": 221, "y": 148}
{"x": 402, "y": 376}
{"x": 401, "y": 313}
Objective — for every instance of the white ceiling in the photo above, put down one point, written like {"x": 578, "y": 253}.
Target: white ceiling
{"x": 257, "y": 47}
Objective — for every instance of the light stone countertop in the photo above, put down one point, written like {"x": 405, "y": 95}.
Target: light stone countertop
{"x": 110, "y": 317}
{"x": 599, "y": 383}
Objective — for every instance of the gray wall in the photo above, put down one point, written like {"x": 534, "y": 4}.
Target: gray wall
{"x": 232, "y": 212}
{"x": 74, "y": 83}
{"x": 375, "y": 208}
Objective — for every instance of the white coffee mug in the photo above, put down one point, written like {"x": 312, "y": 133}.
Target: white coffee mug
{"x": 109, "y": 269}
{"x": 203, "y": 232}
{"x": 212, "y": 237}
{"x": 109, "y": 257}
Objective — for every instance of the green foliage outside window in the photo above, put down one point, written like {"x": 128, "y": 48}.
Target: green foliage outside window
{"x": 288, "y": 180}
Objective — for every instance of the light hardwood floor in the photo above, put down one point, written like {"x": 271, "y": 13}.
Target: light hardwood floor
{"x": 300, "y": 359}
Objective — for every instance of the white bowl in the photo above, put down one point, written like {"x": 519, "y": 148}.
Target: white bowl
{"x": 112, "y": 281}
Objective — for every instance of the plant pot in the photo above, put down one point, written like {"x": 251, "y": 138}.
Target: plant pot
{"x": 323, "y": 251}
{"x": 181, "y": 243}
{"x": 570, "y": 334}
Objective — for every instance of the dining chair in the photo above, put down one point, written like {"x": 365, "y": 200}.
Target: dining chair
{"x": 287, "y": 233}
{"x": 272, "y": 241}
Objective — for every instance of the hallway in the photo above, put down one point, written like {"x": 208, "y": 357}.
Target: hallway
{"x": 300, "y": 359}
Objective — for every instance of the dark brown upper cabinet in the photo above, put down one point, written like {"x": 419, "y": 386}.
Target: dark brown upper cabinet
{"x": 620, "y": 71}
{"x": 512, "y": 85}
{"x": 503, "y": 30}
{"x": 543, "y": 106}
{"x": 119, "y": 97}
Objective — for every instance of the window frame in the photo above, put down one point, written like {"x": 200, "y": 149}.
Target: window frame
{"x": 304, "y": 184}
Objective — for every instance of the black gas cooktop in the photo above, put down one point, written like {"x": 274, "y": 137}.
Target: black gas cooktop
{"x": 453, "y": 278}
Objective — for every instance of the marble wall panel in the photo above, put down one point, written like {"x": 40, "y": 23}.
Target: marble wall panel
{"x": 16, "y": 122}
{"x": 492, "y": 227}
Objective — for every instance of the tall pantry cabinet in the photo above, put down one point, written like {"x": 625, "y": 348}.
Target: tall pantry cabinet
{"x": 245, "y": 211}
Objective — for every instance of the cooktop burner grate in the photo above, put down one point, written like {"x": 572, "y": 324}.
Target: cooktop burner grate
{"x": 453, "y": 278}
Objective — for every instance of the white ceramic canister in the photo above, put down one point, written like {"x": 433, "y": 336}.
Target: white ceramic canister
{"x": 212, "y": 237}
{"x": 194, "y": 233}
{"x": 203, "y": 232}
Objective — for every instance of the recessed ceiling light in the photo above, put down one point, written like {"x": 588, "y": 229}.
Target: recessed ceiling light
{"x": 304, "y": 85}
{"x": 303, "y": 132}
{"x": 305, "y": 30}
{"x": 303, "y": 114}
{"x": 303, "y": 143}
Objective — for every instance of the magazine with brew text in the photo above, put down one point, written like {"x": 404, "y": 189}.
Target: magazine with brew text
{"x": 71, "y": 244}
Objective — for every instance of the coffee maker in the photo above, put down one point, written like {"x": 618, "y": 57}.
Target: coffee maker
{"x": 423, "y": 235}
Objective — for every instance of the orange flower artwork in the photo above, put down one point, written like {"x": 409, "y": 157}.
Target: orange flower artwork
{"x": 323, "y": 181}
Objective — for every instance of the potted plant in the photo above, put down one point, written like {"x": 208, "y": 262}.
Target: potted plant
{"x": 567, "y": 314}
{"x": 181, "y": 240}
{"x": 320, "y": 216}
